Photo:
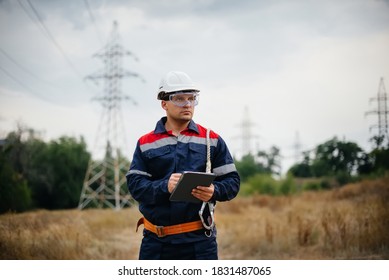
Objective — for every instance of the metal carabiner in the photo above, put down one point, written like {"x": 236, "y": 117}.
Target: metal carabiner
{"x": 212, "y": 219}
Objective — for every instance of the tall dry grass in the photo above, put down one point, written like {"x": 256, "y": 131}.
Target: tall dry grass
{"x": 351, "y": 222}
{"x": 347, "y": 223}
{"x": 72, "y": 234}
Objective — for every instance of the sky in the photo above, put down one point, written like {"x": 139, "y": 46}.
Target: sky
{"x": 299, "y": 72}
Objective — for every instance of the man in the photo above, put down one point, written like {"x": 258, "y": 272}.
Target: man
{"x": 174, "y": 230}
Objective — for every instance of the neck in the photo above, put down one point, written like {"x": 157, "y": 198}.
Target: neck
{"x": 176, "y": 127}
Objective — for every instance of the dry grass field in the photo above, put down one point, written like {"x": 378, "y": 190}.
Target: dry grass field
{"x": 351, "y": 222}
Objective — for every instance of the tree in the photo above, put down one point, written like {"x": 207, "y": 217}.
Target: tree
{"x": 247, "y": 167}
{"x": 14, "y": 192}
{"x": 263, "y": 163}
{"x": 34, "y": 173}
{"x": 303, "y": 169}
{"x": 270, "y": 161}
{"x": 379, "y": 159}
{"x": 378, "y": 141}
{"x": 56, "y": 171}
{"x": 333, "y": 158}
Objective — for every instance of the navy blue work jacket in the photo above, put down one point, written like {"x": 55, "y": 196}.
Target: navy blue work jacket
{"x": 158, "y": 154}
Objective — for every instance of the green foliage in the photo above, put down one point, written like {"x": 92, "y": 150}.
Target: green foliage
{"x": 315, "y": 184}
{"x": 331, "y": 164}
{"x": 325, "y": 184}
{"x": 380, "y": 159}
{"x": 288, "y": 185}
{"x": 14, "y": 193}
{"x": 262, "y": 163}
{"x": 56, "y": 171}
{"x": 266, "y": 184}
{"x": 270, "y": 161}
{"x": 343, "y": 178}
{"x": 301, "y": 170}
{"x": 39, "y": 174}
{"x": 366, "y": 164}
{"x": 247, "y": 167}
{"x": 342, "y": 160}
{"x": 336, "y": 156}
{"x": 312, "y": 186}
{"x": 260, "y": 184}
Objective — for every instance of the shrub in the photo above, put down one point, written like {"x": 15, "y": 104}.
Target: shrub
{"x": 262, "y": 184}
{"x": 288, "y": 185}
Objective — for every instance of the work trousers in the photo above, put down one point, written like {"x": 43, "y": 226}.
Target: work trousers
{"x": 153, "y": 249}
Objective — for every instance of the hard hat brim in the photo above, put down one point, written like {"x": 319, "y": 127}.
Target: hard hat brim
{"x": 163, "y": 95}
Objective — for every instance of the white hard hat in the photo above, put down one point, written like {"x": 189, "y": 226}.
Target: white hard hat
{"x": 175, "y": 81}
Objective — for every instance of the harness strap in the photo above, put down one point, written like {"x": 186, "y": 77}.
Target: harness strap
{"x": 162, "y": 231}
{"x": 211, "y": 206}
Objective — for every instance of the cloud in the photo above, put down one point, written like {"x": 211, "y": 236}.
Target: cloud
{"x": 303, "y": 66}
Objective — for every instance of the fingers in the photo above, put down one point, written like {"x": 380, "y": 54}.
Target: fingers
{"x": 203, "y": 193}
{"x": 173, "y": 181}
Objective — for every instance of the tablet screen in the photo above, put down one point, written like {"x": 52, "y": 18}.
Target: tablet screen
{"x": 188, "y": 181}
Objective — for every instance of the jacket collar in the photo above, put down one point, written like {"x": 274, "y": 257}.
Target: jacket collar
{"x": 160, "y": 127}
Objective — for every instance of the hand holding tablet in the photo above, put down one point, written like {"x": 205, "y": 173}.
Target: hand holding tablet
{"x": 189, "y": 181}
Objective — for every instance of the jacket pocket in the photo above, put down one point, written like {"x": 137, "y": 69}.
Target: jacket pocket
{"x": 197, "y": 156}
{"x": 153, "y": 153}
{"x": 159, "y": 161}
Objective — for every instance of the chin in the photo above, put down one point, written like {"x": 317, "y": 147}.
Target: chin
{"x": 186, "y": 118}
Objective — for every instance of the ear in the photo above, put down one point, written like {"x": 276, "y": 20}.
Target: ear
{"x": 164, "y": 104}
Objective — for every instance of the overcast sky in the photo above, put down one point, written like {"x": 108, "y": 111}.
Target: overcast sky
{"x": 299, "y": 67}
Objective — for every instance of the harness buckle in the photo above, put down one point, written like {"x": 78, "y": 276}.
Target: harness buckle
{"x": 211, "y": 219}
{"x": 160, "y": 231}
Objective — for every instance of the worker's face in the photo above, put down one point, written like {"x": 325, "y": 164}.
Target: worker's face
{"x": 180, "y": 107}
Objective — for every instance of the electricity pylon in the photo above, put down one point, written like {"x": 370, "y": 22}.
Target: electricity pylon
{"x": 105, "y": 183}
{"x": 246, "y": 134}
{"x": 382, "y": 113}
{"x": 297, "y": 147}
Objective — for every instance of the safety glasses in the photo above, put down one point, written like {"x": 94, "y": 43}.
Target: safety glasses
{"x": 182, "y": 99}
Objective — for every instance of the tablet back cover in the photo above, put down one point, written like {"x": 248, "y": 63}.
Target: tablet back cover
{"x": 188, "y": 181}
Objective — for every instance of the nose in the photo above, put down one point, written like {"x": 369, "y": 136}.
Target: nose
{"x": 188, "y": 103}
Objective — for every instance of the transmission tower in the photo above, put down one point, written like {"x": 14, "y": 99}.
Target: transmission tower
{"x": 246, "y": 133}
{"x": 105, "y": 183}
{"x": 381, "y": 112}
{"x": 297, "y": 147}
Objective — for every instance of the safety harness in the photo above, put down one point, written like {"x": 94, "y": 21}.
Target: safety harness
{"x": 211, "y": 206}
{"x": 207, "y": 223}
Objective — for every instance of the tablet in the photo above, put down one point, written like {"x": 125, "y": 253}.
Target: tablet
{"x": 188, "y": 181}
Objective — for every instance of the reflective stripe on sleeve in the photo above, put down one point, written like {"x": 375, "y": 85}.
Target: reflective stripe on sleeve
{"x": 138, "y": 172}
{"x": 224, "y": 169}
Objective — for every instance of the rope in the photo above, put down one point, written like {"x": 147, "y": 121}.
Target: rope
{"x": 211, "y": 206}
{"x": 208, "y": 166}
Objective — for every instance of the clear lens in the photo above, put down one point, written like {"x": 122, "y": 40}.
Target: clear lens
{"x": 183, "y": 99}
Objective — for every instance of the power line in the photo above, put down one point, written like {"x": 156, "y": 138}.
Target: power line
{"x": 51, "y": 37}
{"x": 39, "y": 22}
{"x": 20, "y": 66}
{"x": 30, "y": 16}
{"x": 93, "y": 21}
{"x": 16, "y": 80}
{"x": 12, "y": 77}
